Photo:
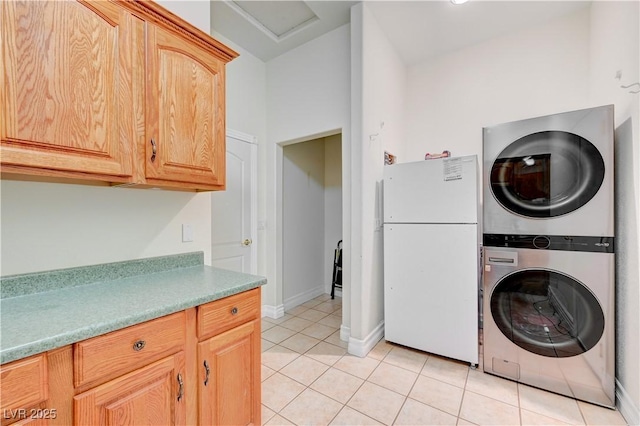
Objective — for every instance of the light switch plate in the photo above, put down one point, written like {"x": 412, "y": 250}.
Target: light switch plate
{"x": 187, "y": 233}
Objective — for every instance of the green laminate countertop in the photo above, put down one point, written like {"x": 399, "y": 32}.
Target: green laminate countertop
{"x": 61, "y": 310}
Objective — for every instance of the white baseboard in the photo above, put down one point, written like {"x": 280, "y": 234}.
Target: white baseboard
{"x": 362, "y": 347}
{"x": 626, "y": 406}
{"x": 303, "y": 297}
{"x": 271, "y": 311}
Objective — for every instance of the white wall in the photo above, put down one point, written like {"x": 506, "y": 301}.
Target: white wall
{"x": 332, "y": 203}
{"x": 304, "y": 221}
{"x": 378, "y": 97}
{"x": 615, "y": 47}
{"x": 195, "y": 12}
{"x": 307, "y": 97}
{"x": 50, "y": 226}
{"x": 246, "y": 102}
{"x": 530, "y": 73}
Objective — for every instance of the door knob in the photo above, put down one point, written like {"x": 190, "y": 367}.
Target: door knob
{"x": 247, "y": 242}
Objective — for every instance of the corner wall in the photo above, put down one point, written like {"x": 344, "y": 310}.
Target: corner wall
{"x": 378, "y": 97}
{"x": 615, "y": 46}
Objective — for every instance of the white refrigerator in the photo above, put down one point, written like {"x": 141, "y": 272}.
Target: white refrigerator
{"x": 431, "y": 256}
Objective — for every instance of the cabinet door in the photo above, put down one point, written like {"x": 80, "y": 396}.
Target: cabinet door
{"x": 185, "y": 111}
{"x": 67, "y": 95}
{"x": 152, "y": 395}
{"x": 229, "y": 374}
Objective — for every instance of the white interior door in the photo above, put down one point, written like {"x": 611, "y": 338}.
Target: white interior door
{"x": 233, "y": 211}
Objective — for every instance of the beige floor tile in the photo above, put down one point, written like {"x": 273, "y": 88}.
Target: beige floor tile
{"x": 311, "y": 408}
{"x": 312, "y": 315}
{"x": 529, "y": 418}
{"x": 393, "y": 378}
{"x": 406, "y": 358}
{"x": 494, "y": 387}
{"x": 277, "y": 320}
{"x": 446, "y": 370}
{"x": 277, "y": 334}
{"x": 318, "y": 331}
{"x": 417, "y": 413}
{"x": 380, "y": 350}
{"x": 324, "y": 297}
{"x": 550, "y": 404}
{"x": 326, "y": 353}
{"x": 279, "y": 390}
{"x": 265, "y": 325}
{"x": 337, "y": 384}
{"x": 359, "y": 367}
{"x": 337, "y": 312}
{"x": 331, "y": 321}
{"x": 297, "y": 310}
{"x": 278, "y": 356}
{"x": 299, "y": 343}
{"x": 267, "y": 414}
{"x": 334, "y": 339}
{"x": 266, "y": 372}
{"x": 304, "y": 370}
{"x": 266, "y": 345}
{"x": 463, "y": 422}
{"x": 483, "y": 410}
{"x": 596, "y": 415}
{"x": 278, "y": 420}
{"x": 296, "y": 324}
{"x": 329, "y": 306}
{"x": 350, "y": 417}
{"x": 437, "y": 394}
{"x": 311, "y": 303}
{"x": 377, "y": 402}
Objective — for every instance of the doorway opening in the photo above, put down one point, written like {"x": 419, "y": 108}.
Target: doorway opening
{"x": 311, "y": 217}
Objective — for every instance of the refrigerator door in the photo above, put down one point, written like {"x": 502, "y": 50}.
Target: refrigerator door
{"x": 431, "y": 288}
{"x": 432, "y": 191}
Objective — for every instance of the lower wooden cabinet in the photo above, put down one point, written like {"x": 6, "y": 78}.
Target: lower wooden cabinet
{"x": 229, "y": 389}
{"x": 147, "y": 374}
{"x": 152, "y": 395}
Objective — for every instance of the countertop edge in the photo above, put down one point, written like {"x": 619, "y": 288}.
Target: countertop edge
{"x": 82, "y": 333}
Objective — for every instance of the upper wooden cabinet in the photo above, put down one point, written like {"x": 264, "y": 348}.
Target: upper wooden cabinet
{"x": 67, "y": 97}
{"x": 116, "y": 91}
{"x": 184, "y": 110}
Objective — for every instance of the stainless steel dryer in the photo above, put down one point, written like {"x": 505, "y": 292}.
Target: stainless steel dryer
{"x": 549, "y": 314}
{"x": 550, "y": 175}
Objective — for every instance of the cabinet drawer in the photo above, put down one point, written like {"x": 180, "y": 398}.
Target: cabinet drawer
{"x": 23, "y": 383}
{"x": 119, "y": 352}
{"x": 224, "y": 314}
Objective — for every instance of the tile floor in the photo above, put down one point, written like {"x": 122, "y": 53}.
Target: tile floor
{"x": 309, "y": 379}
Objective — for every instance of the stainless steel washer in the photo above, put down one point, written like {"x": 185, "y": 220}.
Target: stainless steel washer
{"x": 549, "y": 314}
{"x": 550, "y": 175}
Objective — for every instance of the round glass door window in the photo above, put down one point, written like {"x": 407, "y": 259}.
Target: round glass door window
{"x": 547, "y": 174}
{"x": 547, "y": 313}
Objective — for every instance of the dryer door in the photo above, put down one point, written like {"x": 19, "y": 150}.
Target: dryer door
{"x": 547, "y": 313}
{"x": 547, "y": 174}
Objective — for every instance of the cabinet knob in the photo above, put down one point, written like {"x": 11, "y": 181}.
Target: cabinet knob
{"x": 153, "y": 149}
{"x": 247, "y": 242}
{"x": 139, "y": 345}
{"x": 206, "y": 372}
{"x": 234, "y": 311}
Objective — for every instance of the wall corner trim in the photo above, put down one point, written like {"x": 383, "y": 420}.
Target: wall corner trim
{"x": 626, "y": 406}
{"x": 345, "y": 333}
{"x": 273, "y": 312}
{"x": 362, "y": 347}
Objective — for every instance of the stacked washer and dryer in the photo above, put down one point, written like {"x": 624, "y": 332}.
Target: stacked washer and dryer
{"x": 548, "y": 284}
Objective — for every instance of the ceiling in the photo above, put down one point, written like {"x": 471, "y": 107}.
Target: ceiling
{"x": 418, "y": 30}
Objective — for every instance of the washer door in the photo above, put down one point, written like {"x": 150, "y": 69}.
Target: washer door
{"x": 547, "y": 313}
{"x": 547, "y": 174}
